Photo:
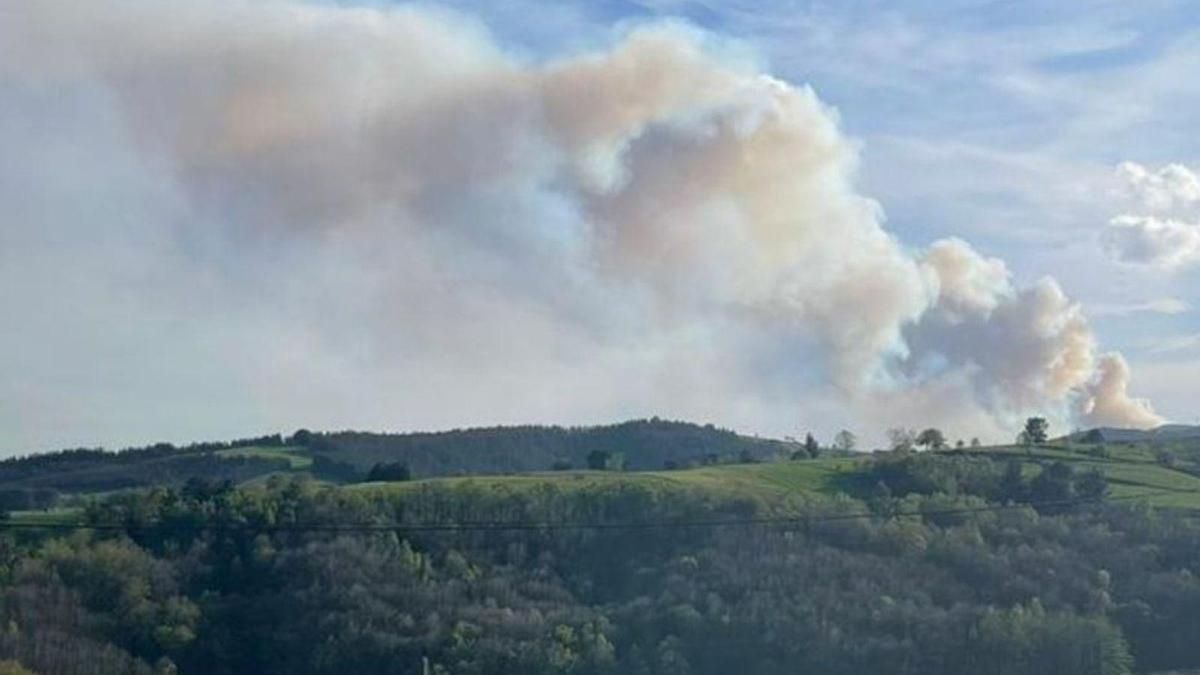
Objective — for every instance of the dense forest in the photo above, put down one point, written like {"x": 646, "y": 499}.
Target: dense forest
{"x": 921, "y": 564}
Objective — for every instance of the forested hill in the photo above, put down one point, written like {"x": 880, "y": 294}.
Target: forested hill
{"x": 637, "y": 445}
{"x": 348, "y": 456}
{"x": 1071, "y": 559}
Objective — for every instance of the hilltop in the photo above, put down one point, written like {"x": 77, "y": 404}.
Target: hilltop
{"x": 638, "y": 445}
{"x": 1167, "y": 433}
{"x": 348, "y": 456}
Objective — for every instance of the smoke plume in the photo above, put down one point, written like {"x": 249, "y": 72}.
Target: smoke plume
{"x": 362, "y": 217}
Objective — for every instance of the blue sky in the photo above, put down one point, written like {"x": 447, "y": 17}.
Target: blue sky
{"x": 997, "y": 122}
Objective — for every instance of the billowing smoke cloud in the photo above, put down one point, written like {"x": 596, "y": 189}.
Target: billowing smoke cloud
{"x": 1107, "y": 398}
{"x": 350, "y": 217}
{"x": 1166, "y": 233}
{"x": 1021, "y": 346}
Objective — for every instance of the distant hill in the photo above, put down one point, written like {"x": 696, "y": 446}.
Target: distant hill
{"x": 639, "y": 444}
{"x": 648, "y": 445}
{"x": 36, "y": 480}
{"x": 1166, "y": 433}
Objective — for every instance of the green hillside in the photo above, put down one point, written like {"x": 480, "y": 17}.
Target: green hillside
{"x": 639, "y": 445}
{"x": 706, "y": 461}
{"x": 1132, "y": 474}
{"x": 348, "y": 456}
{"x": 296, "y": 457}
{"x": 890, "y": 562}
{"x": 1132, "y": 471}
{"x": 774, "y": 485}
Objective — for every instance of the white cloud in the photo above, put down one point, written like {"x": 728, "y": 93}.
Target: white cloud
{"x": 1165, "y": 232}
{"x": 1174, "y": 186}
{"x": 1146, "y": 240}
{"x": 1165, "y": 306}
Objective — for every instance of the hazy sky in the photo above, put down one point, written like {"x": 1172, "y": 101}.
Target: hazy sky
{"x": 223, "y": 218}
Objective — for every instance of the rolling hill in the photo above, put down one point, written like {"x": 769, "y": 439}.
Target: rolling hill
{"x": 638, "y": 445}
{"x": 1132, "y": 474}
{"x": 657, "y": 455}
{"x": 960, "y": 542}
{"x": 1167, "y": 433}
{"x": 642, "y": 445}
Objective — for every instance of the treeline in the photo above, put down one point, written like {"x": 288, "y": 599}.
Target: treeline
{"x": 35, "y": 481}
{"x": 345, "y": 457}
{"x": 75, "y": 459}
{"x": 171, "y": 470}
{"x": 211, "y": 579}
{"x": 637, "y": 445}
{"x": 1050, "y": 485}
{"x": 73, "y": 456}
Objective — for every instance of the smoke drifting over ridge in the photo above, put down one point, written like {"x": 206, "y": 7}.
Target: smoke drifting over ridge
{"x": 349, "y": 217}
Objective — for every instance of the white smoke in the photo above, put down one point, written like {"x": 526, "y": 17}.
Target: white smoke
{"x": 1020, "y": 347}
{"x": 1107, "y": 397}
{"x": 378, "y": 218}
{"x": 1166, "y": 231}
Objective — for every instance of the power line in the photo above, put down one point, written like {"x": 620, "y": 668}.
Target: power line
{"x": 546, "y": 526}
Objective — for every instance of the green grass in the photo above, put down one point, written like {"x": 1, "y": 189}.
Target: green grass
{"x": 296, "y": 461}
{"x": 779, "y": 479}
{"x": 1132, "y": 472}
{"x": 777, "y": 485}
{"x": 56, "y": 516}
